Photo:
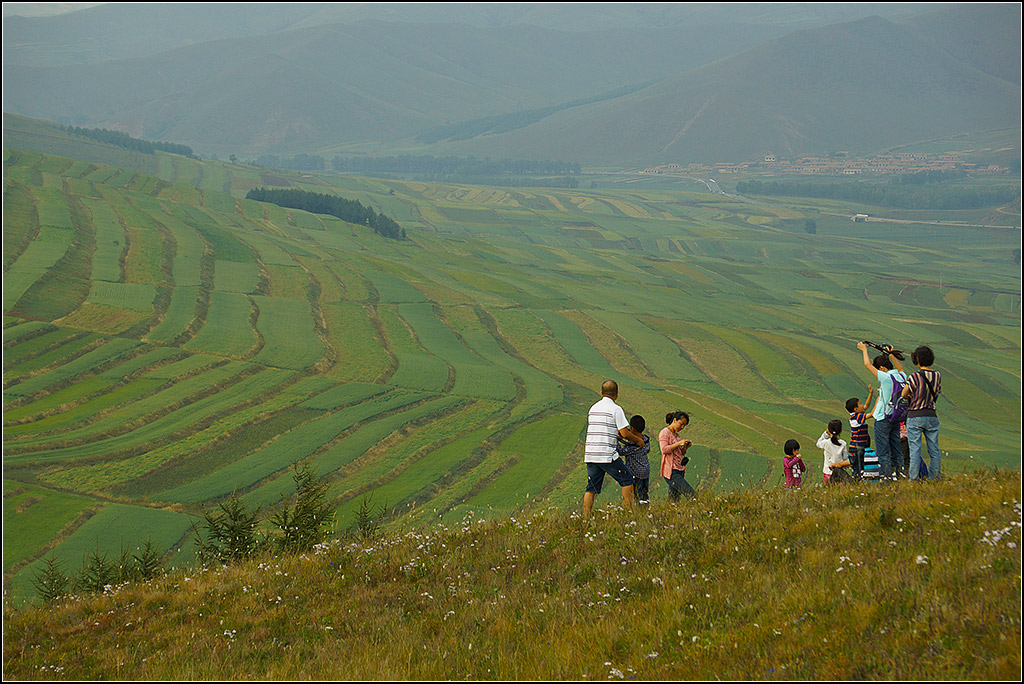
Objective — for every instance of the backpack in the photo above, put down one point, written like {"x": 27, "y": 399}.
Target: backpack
{"x": 897, "y": 408}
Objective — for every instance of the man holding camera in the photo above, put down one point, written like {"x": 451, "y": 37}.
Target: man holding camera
{"x": 887, "y": 432}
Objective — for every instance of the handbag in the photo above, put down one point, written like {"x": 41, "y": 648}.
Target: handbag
{"x": 840, "y": 476}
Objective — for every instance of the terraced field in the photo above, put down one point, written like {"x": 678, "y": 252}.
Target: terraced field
{"x": 168, "y": 343}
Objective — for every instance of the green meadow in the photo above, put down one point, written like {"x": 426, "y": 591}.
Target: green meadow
{"x": 168, "y": 344}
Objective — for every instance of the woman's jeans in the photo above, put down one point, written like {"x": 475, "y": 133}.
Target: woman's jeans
{"x": 889, "y": 449}
{"x": 677, "y": 486}
{"x": 928, "y": 427}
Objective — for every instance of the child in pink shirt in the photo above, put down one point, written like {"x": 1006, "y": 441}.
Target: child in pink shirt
{"x": 792, "y": 464}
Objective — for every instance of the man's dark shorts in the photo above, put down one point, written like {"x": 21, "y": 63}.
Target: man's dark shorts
{"x": 617, "y": 469}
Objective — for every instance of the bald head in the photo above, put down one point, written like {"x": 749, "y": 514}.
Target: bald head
{"x": 610, "y": 389}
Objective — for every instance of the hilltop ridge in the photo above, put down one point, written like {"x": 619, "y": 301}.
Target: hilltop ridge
{"x": 869, "y": 581}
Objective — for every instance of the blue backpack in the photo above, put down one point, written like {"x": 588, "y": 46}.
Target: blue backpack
{"x": 897, "y": 408}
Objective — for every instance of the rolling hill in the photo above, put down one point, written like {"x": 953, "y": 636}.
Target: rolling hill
{"x": 115, "y": 31}
{"x": 714, "y": 91}
{"x": 168, "y": 343}
{"x": 862, "y": 86}
{"x": 312, "y": 88}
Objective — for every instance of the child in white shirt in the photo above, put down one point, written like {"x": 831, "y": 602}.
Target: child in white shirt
{"x": 836, "y": 455}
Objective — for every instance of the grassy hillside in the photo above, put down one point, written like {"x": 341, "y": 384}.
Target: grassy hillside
{"x": 168, "y": 343}
{"x": 904, "y": 582}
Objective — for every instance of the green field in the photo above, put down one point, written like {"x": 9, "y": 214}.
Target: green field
{"x": 168, "y": 344}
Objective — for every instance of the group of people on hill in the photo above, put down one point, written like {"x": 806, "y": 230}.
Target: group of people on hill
{"x": 618, "y": 447}
{"x": 904, "y": 417}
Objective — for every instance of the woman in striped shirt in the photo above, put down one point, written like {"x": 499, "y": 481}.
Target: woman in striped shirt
{"x": 923, "y": 388}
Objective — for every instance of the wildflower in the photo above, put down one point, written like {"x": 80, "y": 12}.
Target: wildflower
{"x": 922, "y": 560}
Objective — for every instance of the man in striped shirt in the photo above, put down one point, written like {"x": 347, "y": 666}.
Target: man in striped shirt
{"x": 606, "y": 422}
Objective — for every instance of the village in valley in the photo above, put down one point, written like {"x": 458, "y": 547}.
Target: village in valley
{"x": 833, "y": 164}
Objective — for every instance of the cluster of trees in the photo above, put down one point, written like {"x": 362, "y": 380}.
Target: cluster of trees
{"x": 447, "y": 167}
{"x": 317, "y": 203}
{"x": 889, "y": 195}
{"x": 925, "y": 177}
{"x": 97, "y": 573}
{"x": 128, "y": 142}
{"x": 519, "y": 182}
{"x": 230, "y": 534}
{"x": 300, "y": 162}
{"x": 428, "y": 167}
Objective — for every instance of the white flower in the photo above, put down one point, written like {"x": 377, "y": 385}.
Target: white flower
{"x": 922, "y": 560}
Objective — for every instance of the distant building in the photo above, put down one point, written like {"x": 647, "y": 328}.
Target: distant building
{"x": 860, "y": 218}
{"x": 769, "y": 158}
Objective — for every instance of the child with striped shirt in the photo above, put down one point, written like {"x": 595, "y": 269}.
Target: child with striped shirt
{"x": 858, "y": 431}
{"x": 636, "y": 459}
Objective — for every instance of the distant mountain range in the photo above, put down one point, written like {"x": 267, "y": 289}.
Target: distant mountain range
{"x": 670, "y": 83}
{"x": 862, "y": 86}
{"x": 125, "y": 30}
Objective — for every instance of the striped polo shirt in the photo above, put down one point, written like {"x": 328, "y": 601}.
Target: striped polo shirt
{"x": 922, "y": 400}
{"x": 604, "y": 420}
{"x": 858, "y": 430}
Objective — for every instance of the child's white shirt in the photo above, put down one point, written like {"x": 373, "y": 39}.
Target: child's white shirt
{"x": 833, "y": 454}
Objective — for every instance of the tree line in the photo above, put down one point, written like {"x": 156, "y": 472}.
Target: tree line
{"x": 901, "y": 196}
{"x": 348, "y": 210}
{"x": 128, "y": 142}
{"x": 426, "y": 166}
{"x": 929, "y": 176}
{"x": 517, "y": 181}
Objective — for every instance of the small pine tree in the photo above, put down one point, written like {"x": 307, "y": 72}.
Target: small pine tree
{"x": 50, "y": 582}
{"x": 230, "y": 534}
{"x": 367, "y": 524}
{"x": 303, "y": 525}
{"x": 147, "y": 562}
{"x": 97, "y": 572}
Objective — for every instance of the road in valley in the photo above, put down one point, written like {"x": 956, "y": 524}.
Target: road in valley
{"x": 713, "y": 187}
